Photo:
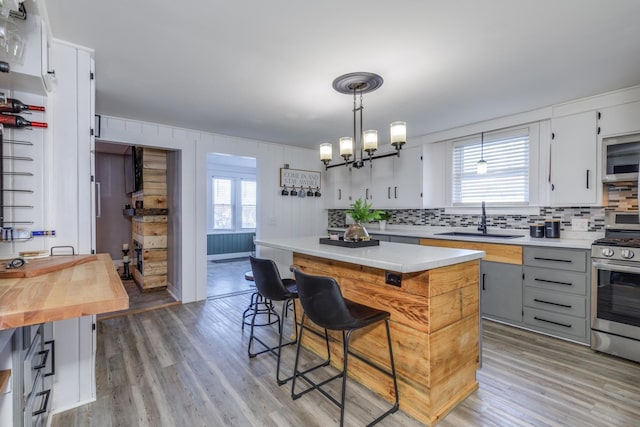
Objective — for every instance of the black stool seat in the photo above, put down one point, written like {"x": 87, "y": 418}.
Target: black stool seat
{"x": 324, "y": 304}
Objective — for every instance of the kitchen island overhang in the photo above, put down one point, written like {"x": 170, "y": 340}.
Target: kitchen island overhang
{"x": 435, "y": 318}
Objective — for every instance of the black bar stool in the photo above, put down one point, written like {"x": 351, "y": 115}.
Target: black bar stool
{"x": 271, "y": 287}
{"x": 324, "y": 304}
{"x": 257, "y": 305}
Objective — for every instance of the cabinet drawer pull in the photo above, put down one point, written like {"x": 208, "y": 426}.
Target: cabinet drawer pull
{"x": 552, "y": 259}
{"x": 551, "y": 321}
{"x": 551, "y": 303}
{"x": 45, "y": 402}
{"x": 553, "y": 281}
{"x": 53, "y": 357}
{"x": 43, "y": 363}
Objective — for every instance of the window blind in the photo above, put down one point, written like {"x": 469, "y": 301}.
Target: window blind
{"x": 507, "y": 177}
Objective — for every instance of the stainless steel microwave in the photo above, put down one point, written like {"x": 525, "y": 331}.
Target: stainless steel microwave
{"x": 621, "y": 158}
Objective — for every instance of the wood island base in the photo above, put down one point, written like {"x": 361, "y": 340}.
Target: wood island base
{"x": 434, "y": 329}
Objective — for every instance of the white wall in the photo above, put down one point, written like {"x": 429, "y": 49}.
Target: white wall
{"x": 277, "y": 215}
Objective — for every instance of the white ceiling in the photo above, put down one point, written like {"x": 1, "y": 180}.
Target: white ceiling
{"x": 263, "y": 69}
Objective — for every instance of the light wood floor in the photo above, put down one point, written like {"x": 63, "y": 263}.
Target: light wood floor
{"x": 141, "y": 301}
{"x": 187, "y": 365}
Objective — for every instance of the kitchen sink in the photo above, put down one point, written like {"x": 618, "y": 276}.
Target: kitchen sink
{"x": 470, "y": 234}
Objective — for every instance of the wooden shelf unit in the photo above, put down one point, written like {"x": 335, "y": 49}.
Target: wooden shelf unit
{"x": 150, "y": 220}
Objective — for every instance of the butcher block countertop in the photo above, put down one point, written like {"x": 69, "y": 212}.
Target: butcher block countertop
{"x": 90, "y": 287}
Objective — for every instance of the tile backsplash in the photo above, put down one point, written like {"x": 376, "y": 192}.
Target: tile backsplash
{"x": 616, "y": 198}
{"x": 438, "y": 217}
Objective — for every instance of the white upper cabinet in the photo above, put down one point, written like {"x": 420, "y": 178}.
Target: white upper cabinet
{"x": 362, "y": 182}
{"x": 407, "y": 177}
{"x": 620, "y": 119}
{"x": 382, "y": 178}
{"x": 338, "y": 187}
{"x": 434, "y": 179}
{"x": 573, "y": 160}
{"x": 397, "y": 181}
{"x": 392, "y": 183}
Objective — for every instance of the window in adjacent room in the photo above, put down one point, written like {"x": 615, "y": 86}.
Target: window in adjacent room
{"x": 507, "y": 178}
{"x": 248, "y": 197}
{"x": 234, "y": 204}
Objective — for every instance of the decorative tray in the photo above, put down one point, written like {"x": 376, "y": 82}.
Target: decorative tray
{"x": 341, "y": 242}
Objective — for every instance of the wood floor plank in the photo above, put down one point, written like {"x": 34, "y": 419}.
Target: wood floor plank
{"x": 188, "y": 365}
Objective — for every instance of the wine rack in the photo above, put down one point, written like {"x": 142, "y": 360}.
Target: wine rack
{"x": 12, "y": 187}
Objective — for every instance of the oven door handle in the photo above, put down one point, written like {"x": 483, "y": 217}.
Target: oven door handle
{"x": 599, "y": 265}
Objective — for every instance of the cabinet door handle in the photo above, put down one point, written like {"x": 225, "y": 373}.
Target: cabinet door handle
{"x": 366, "y": 194}
{"x": 395, "y": 192}
{"x": 553, "y": 281}
{"x": 588, "y": 178}
{"x": 483, "y": 277}
{"x": 98, "y": 201}
{"x": 388, "y": 192}
{"x": 551, "y": 321}
{"x": 552, "y": 259}
{"x": 550, "y": 163}
{"x": 339, "y": 194}
{"x": 45, "y": 402}
{"x": 551, "y": 303}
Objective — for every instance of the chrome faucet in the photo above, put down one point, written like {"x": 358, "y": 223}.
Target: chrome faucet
{"x": 482, "y": 226}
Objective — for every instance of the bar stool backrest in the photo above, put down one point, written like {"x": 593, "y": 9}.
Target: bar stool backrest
{"x": 267, "y": 279}
{"x": 322, "y": 301}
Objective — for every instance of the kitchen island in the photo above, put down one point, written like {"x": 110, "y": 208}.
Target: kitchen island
{"x": 434, "y": 306}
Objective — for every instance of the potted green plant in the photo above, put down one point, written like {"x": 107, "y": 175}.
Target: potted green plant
{"x": 361, "y": 212}
{"x": 383, "y": 218}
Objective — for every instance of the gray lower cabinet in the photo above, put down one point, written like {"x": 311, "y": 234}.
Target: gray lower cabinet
{"x": 556, "y": 296}
{"x": 501, "y": 291}
{"x": 405, "y": 239}
{"x": 381, "y": 237}
{"x": 33, "y": 367}
{"x": 397, "y": 239}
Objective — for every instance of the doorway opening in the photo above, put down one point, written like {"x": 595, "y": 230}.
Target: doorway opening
{"x": 231, "y": 222}
{"x": 127, "y": 218}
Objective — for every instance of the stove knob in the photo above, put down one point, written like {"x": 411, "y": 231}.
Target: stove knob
{"x": 627, "y": 254}
{"x": 608, "y": 252}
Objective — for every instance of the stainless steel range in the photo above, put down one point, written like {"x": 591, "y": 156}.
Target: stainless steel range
{"x": 615, "y": 310}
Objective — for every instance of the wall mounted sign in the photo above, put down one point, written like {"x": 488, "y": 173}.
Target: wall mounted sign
{"x": 299, "y": 178}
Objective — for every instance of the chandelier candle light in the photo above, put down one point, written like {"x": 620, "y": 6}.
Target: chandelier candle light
{"x": 361, "y": 83}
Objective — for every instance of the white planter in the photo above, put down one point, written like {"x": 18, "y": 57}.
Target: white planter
{"x": 383, "y": 224}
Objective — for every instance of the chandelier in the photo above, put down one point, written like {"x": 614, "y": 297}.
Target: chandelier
{"x": 359, "y": 84}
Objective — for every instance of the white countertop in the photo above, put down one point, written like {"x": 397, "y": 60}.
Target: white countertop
{"x": 569, "y": 239}
{"x": 388, "y": 256}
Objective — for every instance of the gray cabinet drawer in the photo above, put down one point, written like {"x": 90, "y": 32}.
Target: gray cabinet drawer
{"x": 557, "y": 280}
{"x": 405, "y": 239}
{"x": 553, "y": 323}
{"x": 381, "y": 237}
{"x": 562, "y": 259}
{"x": 573, "y": 305}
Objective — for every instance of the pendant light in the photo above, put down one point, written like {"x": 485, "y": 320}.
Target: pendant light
{"x": 482, "y": 164}
{"x": 353, "y": 153}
